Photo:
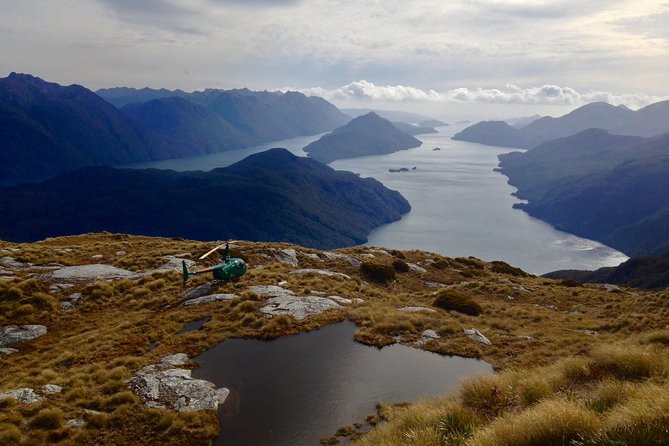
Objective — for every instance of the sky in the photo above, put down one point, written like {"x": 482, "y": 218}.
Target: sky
{"x": 443, "y": 57}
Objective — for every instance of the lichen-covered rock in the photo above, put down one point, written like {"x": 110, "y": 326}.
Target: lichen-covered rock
{"x": 23, "y": 395}
{"x": 75, "y": 422}
{"x": 345, "y": 257}
{"x": 299, "y": 307}
{"x": 12, "y": 334}
{"x": 287, "y": 256}
{"x": 165, "y": 386}
{"x": 50, "y": 389}
{"x": 477, "y": 336}
{"x": 84, "y": 273}
{"x": 269, "y": 290}
{"x": 7, "y": 351}
{"x": 208, "y": 298}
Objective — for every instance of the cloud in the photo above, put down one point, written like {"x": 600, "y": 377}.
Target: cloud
{"x": 509, "y": 94}
{"x": 160, "y": 13}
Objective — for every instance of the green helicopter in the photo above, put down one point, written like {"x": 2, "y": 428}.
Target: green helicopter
{"x": 230, "y": 268}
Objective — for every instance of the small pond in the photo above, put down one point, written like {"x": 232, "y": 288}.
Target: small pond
{"x": 298, "y": 389}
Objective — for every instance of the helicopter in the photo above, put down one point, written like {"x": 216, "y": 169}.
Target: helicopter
{"x": 230, "y": 268}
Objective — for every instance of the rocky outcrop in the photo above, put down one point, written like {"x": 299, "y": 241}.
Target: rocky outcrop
{"x": 50, "y": 389}
{"x": 12, "y": 334}
{"x": 287, "y": 256}
{"x": 477, "y": 336}
{"x": 209, "y": 298}
{"x": 345, "y": 257}
{"x": 299, "y": 307}
{"x": 7, "y": 351}
{"x": 174, "y": 263}
{"x": 85, "y": 273}
{"x": 165, "y": 386}
{"x": 23, "y": 395}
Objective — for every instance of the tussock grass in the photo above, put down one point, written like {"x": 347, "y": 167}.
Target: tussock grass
{"x": 120, "y": 326}
{"x": 452, "y": 300}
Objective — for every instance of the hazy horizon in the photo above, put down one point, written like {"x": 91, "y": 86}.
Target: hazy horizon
{"x": 461, "y": 59}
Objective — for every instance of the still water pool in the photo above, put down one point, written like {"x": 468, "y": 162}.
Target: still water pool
{"x": 298, "y": 389}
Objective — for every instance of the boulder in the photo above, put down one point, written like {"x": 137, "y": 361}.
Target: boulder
{"x": 298, "y": 307}
{"x": 12, "y": 334}
{"x": 415, "y": 268}
{"x": 24, "y": 395}
{"x": 477, "y": 336}
{"x": 165, "y": 386}
{"x": 345, "y": 257}
{"x": 287, "y": 256}
{"x": 75, "y": 422}
{"x": 209, "y": 298}
{"x": 50, "y": 389}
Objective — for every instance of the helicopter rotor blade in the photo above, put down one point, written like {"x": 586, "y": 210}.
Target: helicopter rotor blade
{"x": 210, "y": 252}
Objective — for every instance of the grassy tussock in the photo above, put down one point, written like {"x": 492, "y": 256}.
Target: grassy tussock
{"x": 600, "y": 398}
{"x": 120, "y": 326}
{"x": 451, "y": 300}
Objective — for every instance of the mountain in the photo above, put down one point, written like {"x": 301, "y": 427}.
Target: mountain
{"x": 48, "y": 129}
{"x": 365, "y": 135}
{"x": 620, "y": 120}
{"x": 494, "y": 133}
{"x": 262, "y": 116}
{"x": 193, "y": 127}
{"x": 271, "y": 116}
{"x": 522, "y": 121}
{"x": 614, "y": 189}
{"x": 396, "y": 116}
{"x": 414, "y": 129}
{"x": 649, "y": 272}
{"x": 270, "y": 196}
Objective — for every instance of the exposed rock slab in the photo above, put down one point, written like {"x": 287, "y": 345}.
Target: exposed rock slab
{"x": 287, "y": 256}
{"x": 12, "y": 334}
{"x": 345, "y": 257}
{"x": 24, "y": 395}
{"x": 320, "y": 272}
{"x": 269, "y": 290}
{"x": 174, "y": 263}
{"x": 165, "y": 386}
{"x": 209, "y": 298}
{"x": 427, "y": 336}
{"x": 298, "y": 307}
{"x": 83, "y": 273}
{"x": 477, "y": 336}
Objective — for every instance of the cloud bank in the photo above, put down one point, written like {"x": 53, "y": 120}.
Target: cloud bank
{"x": 509, "y": 94}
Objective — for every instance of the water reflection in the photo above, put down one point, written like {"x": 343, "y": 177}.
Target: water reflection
{"x": 298, "y": 389}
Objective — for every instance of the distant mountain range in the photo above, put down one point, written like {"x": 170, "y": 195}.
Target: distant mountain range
{"x": 651, "y": 272}
{"x": 270, "y": 196}
{"x": 49, "y": 129}
{"x": 610, "y": 188}
{"x": 620, "y": 120}
{"x": 365, "y": 135}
